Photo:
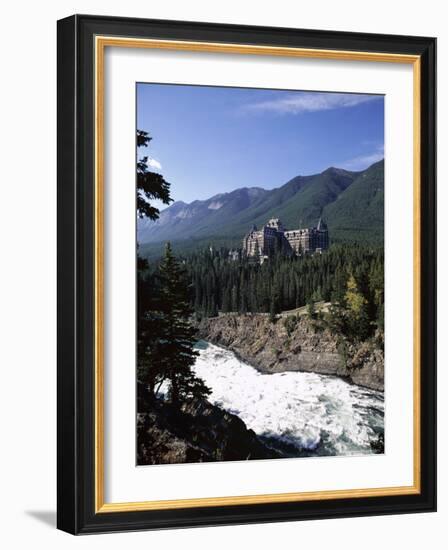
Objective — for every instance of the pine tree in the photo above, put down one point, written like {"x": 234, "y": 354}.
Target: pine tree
{"x": 151, "y": 366}
{"x": 274, "y": 306}
{"x": 150, "y": 325}
{"x": 150, "y": 185}
{"x": 178, "y": 339}
{"x": 311, "y": 309}
{"x": 234, "y": 298}
{"x": 226, "y": 300}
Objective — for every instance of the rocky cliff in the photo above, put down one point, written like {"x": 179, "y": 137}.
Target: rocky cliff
{"x": 195, "y": 432}
{"x": 295, "y": 344}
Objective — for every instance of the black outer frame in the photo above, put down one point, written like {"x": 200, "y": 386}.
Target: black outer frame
{"x": 75, "y": 404}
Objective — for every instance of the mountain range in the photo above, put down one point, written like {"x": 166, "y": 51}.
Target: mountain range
{"x": 352, "y": 204}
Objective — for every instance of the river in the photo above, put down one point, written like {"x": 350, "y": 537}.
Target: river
{"x": 301, "y": 414}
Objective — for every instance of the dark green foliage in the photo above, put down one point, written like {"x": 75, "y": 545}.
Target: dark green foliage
{"x": 150, "y": 185}
{"x": 311, "y": 309}
{"x": 286, "y": 283}
{"x": 274, "y": 305}
{"x": 149, "y": 325}
{"x": 166, "y": 337}
{"x": 358, "y": 213}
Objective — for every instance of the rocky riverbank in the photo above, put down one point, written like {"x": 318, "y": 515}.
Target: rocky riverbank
{"x": 197, "y": 431}
{"x": 295, "y": 344}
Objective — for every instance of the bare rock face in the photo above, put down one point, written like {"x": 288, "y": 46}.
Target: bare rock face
{"x": 195, "y": 432}
{"x": 366, "y": 366}
{"x": 294, "y": 345}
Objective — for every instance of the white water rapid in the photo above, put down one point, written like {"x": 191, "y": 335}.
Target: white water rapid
{"x": 304, "y": 414}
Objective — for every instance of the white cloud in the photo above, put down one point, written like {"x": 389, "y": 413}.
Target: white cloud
{"x": 306, "y": 102}
{"x": 153, "y": 163}
{"x": 363, "y": 161}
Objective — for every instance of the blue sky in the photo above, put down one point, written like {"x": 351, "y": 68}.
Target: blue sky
{"x": 209, "y": 140}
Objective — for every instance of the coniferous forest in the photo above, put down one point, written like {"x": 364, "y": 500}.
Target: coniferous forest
{"x": 345, "y": 276}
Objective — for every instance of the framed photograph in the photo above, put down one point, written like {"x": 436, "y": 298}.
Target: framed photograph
{"x": 246, "y": 271}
